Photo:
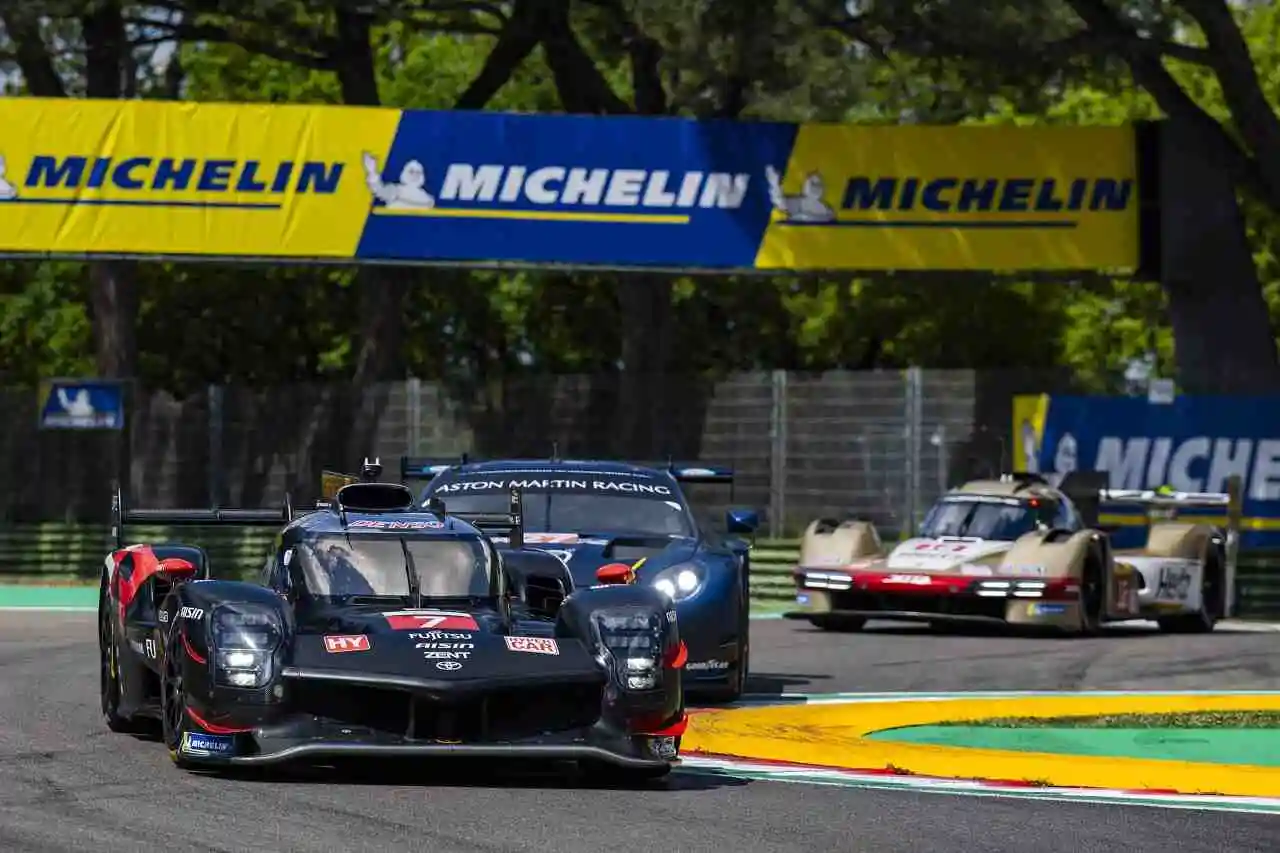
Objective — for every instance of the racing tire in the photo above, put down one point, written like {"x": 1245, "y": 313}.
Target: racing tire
{"x": 843, "y": 624}
{"x": 733, "y": 691}
{"x": 173, "y": 700}
{"x": 1202, "y": 621}
{"x": 109, "y": 687}
{"x": 1093, "y": 592}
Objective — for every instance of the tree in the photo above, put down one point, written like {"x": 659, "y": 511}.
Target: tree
{"x": 1224, "y": 342}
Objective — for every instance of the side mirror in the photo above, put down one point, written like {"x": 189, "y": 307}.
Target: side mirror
{"x": 742, "y": 521}
{"x": 616, "y": 573}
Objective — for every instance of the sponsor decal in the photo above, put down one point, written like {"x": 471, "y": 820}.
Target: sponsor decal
{"x": 1025, "y": 571}
{"x": 449, "y": 665}
{"x": 536, "y": 645}
{"x": 802, "y": 599}
{"x": 196, "y": 743}
{"x": 1175, "y": 582}
{"x": 338, "y": 643}
{"x": 454, "y": 646}
{"x": 1046, "y": 609}
{"x": 671, "y": 616}
{"x": 417, "y": 620}
{"x": 379, "y": 524}
{"x": 558, "y": 484}
{"x": 913, "y": 580}
{"x": 708, "y": 665}
{"x": 440, "y": 635}
{"x": 663, "y": 747}
{"x": 151, "y": 647}
{"x": 944, "y": 547}
{"x": 446, "y": 655}
{"x": 551, "y": 538}
{"x": 163, "y": 615}
{"x": 974, "y": 570}
{"x": 190, "y": 613}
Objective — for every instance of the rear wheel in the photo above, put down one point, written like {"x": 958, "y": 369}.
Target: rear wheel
{"x": 1202, "y": 621}
{"x": 109, "y": 687}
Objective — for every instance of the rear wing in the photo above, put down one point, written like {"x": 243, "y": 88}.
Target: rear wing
{"x": 1088, "y": 490}
{"x": 693, "y": 472}
{"x": 122, "y": 515}
{"x": 494, "y": 525}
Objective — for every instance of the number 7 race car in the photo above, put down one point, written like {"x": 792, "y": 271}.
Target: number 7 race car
{"x": 384, "y": 629}
{"x": 1019, "y": 551}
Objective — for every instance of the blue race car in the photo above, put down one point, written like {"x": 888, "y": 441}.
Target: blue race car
{"x": 591, "y": 514}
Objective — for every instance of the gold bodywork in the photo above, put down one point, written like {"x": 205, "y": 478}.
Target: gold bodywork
{"x": 832, "y": 553}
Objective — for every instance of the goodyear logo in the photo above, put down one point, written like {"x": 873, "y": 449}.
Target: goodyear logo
{"x": 566, "y": 193}
{"x": 906, "y": 202}
{"x": 140, "y": 181}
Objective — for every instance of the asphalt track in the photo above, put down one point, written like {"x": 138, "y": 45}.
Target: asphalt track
{"x": 66, "y": 784}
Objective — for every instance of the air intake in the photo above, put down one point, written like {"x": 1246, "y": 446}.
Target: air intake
{"x": 374, "y": 497}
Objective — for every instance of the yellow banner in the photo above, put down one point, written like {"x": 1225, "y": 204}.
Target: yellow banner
{"x": 955, "y": 198}
{"x": 1029, "y": 414}
{"x": 147, "y": 177}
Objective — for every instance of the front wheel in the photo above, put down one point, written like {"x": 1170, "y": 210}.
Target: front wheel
{"x": 830, "y": 622}
{"x": 110, "y": 689}
{"x": 173, "y": 700}
{"x": 1092, "y": 597}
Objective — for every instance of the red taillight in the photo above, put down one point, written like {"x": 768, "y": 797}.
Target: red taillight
{"x": 1065, "y": 588}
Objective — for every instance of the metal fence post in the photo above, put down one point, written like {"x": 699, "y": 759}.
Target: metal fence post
{"x": 911, "y": 434}
{"x": 413, "y": 402}
{"x": 216, "y": 402}
{"x": 778, "y": 455}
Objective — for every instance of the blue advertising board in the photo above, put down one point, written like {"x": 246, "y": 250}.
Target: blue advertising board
{"x": 1192, "y": 444}
{"x": 80, "y": 404}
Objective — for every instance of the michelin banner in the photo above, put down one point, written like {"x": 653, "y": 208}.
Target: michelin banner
{"x": 141, "y": 178}
{"x": 1192, "y": 444}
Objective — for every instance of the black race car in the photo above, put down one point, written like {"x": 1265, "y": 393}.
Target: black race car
{"x": 384, "y": 629}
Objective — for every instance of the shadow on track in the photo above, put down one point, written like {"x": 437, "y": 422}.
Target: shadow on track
{"x": 469, "y": 773}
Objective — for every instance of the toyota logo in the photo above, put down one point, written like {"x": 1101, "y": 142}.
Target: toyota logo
{"x": 448, "y": 665}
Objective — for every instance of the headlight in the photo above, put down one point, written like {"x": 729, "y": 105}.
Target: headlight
{"x": 633, "y": 645}
{"x": 245, "y": 638}
{"x": 680, "y": 582}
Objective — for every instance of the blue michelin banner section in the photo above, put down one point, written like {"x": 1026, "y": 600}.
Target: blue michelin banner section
{"x": 1191, "y": 444}
{"x": 682, "y": 185}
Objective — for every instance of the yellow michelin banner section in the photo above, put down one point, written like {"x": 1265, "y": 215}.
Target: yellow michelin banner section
{"x": 144, "y": 177}
{"x": 955, "y": 198}
{"x": 835, "y": 736}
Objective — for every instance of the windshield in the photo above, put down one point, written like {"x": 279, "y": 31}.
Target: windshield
{"x": 980, "y": 519}
{"x": 339, "y": 566}
{"x": 571, "y": 512}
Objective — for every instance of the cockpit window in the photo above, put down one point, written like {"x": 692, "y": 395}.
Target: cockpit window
{"x": 998, "y": 519}
{"x": 341, "y": 566}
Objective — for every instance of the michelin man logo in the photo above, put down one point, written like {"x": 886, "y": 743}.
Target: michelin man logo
{"x": 1030, "y": 448}
{"x": 1066, "y": 458}
{"x": 809, "y": 205}
{"x": 409, "y": 194}
{"x": 7, "y": 190}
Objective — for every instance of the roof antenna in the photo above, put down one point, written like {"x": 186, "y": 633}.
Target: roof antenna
{"x": 555, "y": 451}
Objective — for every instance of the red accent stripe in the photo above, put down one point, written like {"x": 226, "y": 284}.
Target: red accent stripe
{"x": 214, "y": 728}
{"x": 186, "y": 644}
{"x": 680, "y": 657}
{"x": 676, "y": 729}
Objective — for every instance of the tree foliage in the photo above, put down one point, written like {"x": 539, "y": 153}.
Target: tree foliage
{"x": 888, "y": 61}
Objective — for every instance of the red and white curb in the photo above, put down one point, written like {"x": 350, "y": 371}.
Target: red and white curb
{"x": 887, "y": 779}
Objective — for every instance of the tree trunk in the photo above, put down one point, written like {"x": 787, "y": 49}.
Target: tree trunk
{"x": 1223, "y": 338}
{"x": 113, "y": 296}
{"x": 644, "y": 301}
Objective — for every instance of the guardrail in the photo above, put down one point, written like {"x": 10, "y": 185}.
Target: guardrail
{"x": 70, "y": 552}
